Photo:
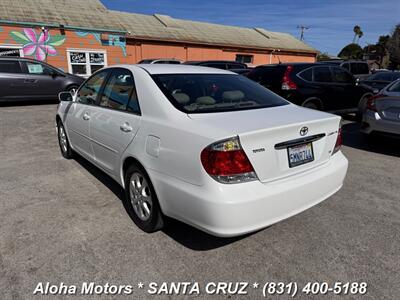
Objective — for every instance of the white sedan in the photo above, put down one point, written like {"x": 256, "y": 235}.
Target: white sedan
{"x": 205, "y": 146}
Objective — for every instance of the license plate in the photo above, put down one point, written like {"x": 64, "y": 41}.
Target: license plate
{"x": 300, "y": 154}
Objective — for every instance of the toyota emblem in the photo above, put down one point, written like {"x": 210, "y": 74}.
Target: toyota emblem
{"x": 303, "y": 131}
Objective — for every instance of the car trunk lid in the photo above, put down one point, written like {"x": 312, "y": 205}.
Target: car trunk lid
{"x": 266, "y": 135}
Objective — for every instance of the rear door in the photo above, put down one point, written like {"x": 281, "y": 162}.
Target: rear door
{"x": 81, "y": 113}
{"x": 42, "y": 80}
{"x": 12, "y": 85}
{"x": 324, "y": 87}
{"x": 115, "y": 120}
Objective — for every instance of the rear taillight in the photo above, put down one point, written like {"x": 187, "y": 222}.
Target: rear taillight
{"x": 371, "y": 101}
{"x": 338, "y": 144}
{"x": 226, "y": 162}
{"x": 287, "y": 83}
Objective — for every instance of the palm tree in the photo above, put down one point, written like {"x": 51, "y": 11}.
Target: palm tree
{"x": 359, "y": 35}
{"x": 356, "y": 30}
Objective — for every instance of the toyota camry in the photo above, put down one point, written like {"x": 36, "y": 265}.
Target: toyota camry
{"x": 205, "y": 146}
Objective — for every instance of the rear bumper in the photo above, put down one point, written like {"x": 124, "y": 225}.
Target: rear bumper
{"x": 230, "y": 210}
{"x": 372, "y": 122}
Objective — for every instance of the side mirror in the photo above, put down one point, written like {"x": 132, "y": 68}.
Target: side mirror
{"x": 65, "y": 96}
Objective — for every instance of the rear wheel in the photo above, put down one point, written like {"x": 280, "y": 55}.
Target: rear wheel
{"x": 141, "y": 200}
{"x": 65, "y": 148}
{"x": 362, "y": 105}
{"x": 312, "y": 104}
{"x": 71, "y": 89}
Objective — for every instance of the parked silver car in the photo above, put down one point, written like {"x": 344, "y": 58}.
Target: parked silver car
{"x": 382, "y": 114}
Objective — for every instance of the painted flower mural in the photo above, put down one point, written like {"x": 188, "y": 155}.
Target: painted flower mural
{"x": 38, "y": 46}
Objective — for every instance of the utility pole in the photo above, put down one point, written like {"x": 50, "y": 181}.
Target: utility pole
{"x": 302, "y": 29}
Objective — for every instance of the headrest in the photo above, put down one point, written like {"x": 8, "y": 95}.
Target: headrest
{"x": 181, "y": 98}
{"x": 232, "y": 96}
{"x": 205, "y": 100}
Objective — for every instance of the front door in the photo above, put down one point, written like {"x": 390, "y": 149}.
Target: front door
{"x": 115, "y": 120}
{"x": 81, "y": 113}
{"x": 42, "y": 80}
{"x": 344, "y": 88}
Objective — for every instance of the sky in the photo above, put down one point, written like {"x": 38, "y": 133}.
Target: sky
{"x": 330, "y": 22}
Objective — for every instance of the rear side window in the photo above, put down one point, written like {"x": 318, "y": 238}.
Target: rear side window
{"x": 306, "y": 74}
{"x": 359, "y": 68}
{"x": 322, "y": 74}
{"x": 118, "y": 90}
{"x": 10, "y": 66}
{"x": 89, "y": 91}
{"x": 205, "y": 93}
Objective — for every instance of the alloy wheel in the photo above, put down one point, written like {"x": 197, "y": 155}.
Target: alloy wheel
{"x": 140, "y": 196}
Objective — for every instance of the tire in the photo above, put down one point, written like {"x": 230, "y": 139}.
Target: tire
{"x": 141, "y": 201}
{"x": 311, "y": 104}
{"x": 362, "y": 104}
{"x": 71, "y": 88}
{"x": 63, "y": 142}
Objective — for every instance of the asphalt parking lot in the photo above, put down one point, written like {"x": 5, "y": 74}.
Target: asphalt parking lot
{"x": 63, "y": 221}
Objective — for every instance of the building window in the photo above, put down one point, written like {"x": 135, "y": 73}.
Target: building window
{"x": 86, "y": 62}
{"x": 246, "y": 59}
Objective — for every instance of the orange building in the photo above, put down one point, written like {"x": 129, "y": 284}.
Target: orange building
{"x": 82, "y": 36}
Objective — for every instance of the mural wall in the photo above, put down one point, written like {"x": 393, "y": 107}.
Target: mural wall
{"x": 52, "y": 45}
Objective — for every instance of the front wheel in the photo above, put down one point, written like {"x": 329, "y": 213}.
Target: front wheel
{"x": 63, "y": 142}
{"x": 141, "y": 200}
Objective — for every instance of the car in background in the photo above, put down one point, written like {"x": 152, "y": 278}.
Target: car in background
{"x": 205, "y": 146}
{"x": 219, "y": 64}
{"x": 27, "y": 79}
{"x": 243, "y": 72}
{"x": 171, "y": 61}
{"x": 382, "y": 113}
{"x": 379, "y": 80}
{"x": 358, "y": 68}
{"x": 313, "y": 85}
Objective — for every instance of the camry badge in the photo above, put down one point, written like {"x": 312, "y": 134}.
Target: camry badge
{"x": 303, "y": 131}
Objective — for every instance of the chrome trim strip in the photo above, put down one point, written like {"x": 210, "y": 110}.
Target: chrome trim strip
{"x": 299, "y": 141}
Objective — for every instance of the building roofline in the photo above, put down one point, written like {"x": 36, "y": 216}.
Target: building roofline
{"x": 247, "y": 48}
{"x": 55, "y": 25}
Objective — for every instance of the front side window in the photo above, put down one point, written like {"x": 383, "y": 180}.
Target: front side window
{"x": 10, "y": 66}
{"x": 395, "y": 87}
{"x": 86, "y": 62}
{"x": 91, "y": 88}
{"x": 384, "y": 76}
{"x": 205, "y": 93}
{"x": 118, "y": 91}
{"x": 322, "y": 74}
{"x": 341, "y": 76}
{"x": 38, "y": 69}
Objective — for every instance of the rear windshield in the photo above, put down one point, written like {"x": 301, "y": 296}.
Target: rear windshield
{"x": 205, "y": 93}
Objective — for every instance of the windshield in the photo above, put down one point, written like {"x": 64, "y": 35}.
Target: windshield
{"x": 204, "y": 93}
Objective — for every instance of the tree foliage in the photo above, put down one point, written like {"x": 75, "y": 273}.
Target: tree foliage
{"x": 351, "y": 51}
{"x": 393, "y": 46}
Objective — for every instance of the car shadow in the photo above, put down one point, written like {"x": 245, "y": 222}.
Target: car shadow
{"x": 27, "y": 103}
{"x": 353, "y": 137}
{"x": 180, "y": 232}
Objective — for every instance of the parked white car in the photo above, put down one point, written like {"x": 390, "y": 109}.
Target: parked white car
{"x": 205, "y": 146}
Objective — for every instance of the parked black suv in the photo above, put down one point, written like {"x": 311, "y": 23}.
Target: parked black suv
{"x": 359, "y": 68}
{"x": 28, "y": 79}
{"x": 219, "y": 64}
{"x": 314, "y": 85}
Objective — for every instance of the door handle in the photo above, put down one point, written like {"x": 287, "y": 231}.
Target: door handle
{"x": 30, "y": 80}
{"x": 126, "y": 127}
{"x": 86, "y": 116}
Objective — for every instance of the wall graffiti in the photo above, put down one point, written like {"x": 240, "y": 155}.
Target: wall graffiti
{"x": 38, "y": 45}
{"x": 113, "y": 40}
